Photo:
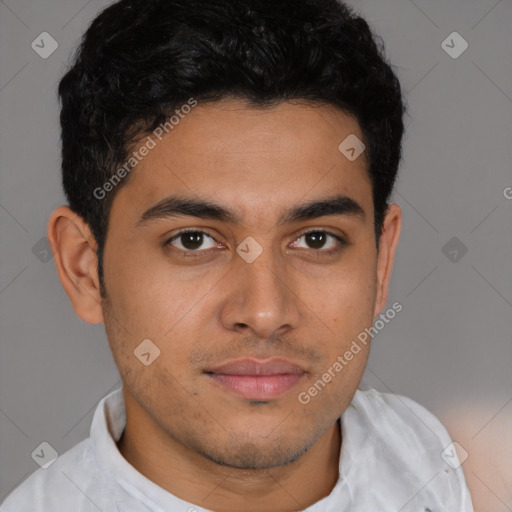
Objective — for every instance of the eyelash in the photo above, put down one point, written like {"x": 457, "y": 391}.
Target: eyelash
{"x": 198, "y": 253}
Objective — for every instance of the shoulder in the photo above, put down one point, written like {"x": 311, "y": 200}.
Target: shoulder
{"x": 393, "y": 410}
{"x": 410, "y": 442}
{"x": 69, "y": 483}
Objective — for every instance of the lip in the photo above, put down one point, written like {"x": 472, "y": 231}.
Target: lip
{"x": 257, "y": 379}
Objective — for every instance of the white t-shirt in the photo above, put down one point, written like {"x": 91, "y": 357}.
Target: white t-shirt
{"x": 390, "y": 461}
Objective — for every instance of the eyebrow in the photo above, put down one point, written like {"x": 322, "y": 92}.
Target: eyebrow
{"x": 175, "y": 206}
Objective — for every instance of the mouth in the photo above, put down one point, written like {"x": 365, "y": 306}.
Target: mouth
{"x": 256, "y": 379}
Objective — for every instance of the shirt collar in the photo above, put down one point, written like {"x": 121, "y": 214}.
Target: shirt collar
{"x": 110, "y": 420}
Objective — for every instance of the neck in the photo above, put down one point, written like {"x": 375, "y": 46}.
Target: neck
{"x": 192, "y": 478}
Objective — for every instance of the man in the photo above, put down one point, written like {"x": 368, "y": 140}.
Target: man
{"x": 228, "y": 167}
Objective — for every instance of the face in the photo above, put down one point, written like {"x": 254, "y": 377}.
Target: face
{"x": 250, "y": 297}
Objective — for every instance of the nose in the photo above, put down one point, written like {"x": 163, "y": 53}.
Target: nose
{"x": 261, "y": 297}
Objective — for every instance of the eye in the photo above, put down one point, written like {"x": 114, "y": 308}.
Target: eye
{"x": 192, "y": 241}
{"x": 320, "y": 240}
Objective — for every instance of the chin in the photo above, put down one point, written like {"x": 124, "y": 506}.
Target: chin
{"x": 244, "y": 454}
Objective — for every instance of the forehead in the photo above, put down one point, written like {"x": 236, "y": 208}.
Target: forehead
{"x": 255, "y": 160}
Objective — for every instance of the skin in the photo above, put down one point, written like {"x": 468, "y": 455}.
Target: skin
{"x": 205, "y": 445}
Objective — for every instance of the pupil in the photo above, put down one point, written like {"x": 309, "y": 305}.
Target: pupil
{"x": 316, "y": 239}
{"x": 192, "y": 240}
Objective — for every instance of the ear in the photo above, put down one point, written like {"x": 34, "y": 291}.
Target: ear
{"x": 74, "y": 250}
{"x": 388, "y": 242}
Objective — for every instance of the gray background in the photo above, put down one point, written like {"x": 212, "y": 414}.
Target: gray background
{"x": 449, "y": 349}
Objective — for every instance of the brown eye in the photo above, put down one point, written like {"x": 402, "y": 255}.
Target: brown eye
{"x": 191, "y": 241}
{"x": 316, "y": 239}
{"x": 322, "y": 241}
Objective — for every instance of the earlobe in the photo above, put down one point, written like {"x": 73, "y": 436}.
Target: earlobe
{"x": 388, "y": 243}
{"x": 74, "y": 251}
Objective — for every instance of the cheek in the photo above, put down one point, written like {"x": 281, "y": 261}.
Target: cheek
{"x": 151, "y": 302}
{"x": 329, "y": 390}
{"x": 345, "y": 300}
{"x": 345, "y": 305}
{"x": 346, "y": 347}
{"x": 147, "y": 294}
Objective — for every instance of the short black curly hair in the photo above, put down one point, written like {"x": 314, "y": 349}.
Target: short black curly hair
{"x": 141, "y": 59}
